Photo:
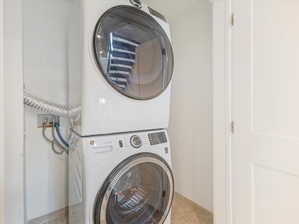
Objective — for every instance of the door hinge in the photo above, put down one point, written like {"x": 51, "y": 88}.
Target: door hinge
{"x": 232, "y": 20}
{"x": 232, "y": 127}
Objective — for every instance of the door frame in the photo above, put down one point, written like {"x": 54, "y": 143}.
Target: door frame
{"x": 2, "y": 172}
{"x": 13, "y": 110}
{"x": 12, "y": 183}
{"x": 222, "y": 129}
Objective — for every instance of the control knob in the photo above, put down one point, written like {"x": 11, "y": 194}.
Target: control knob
{"x": 136, "y": 141}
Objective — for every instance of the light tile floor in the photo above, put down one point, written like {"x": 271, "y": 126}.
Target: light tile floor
{"x": 184, "y": 212}
{"x": 187, "y": 212}
{"x": 58, "y": 217}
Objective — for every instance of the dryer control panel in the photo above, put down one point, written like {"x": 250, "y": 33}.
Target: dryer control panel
{"x": 157, "y": 138}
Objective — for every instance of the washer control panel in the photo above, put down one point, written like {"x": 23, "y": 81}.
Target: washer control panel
{"x": 136, "y": 141}
{"x": 157, "y": 138}
{"x": 146, "y": 141}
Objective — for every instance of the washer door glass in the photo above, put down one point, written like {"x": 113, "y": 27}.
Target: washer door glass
{"x": 133, "y": 52}
{"x": 140, "y": 190}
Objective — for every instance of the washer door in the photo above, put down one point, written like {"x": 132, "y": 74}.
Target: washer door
{"x": 139, "y": 190}
{"x": 133, "y": 52}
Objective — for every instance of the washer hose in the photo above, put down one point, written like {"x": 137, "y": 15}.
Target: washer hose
{"x": 57, "y": 127}
{"x": 53, "y": 141}
{"x": 43, "y": 106}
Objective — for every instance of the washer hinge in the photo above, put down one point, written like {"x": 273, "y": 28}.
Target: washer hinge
{"x": 232, "y": 127}
{"x": 232, "y": 20}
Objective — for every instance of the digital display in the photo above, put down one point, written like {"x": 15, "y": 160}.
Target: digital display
{"x": 157, "y": 138}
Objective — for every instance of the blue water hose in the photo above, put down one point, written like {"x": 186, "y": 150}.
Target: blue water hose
{"x": 57, "y": 127}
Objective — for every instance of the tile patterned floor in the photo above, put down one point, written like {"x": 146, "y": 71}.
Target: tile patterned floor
{"x": 184, "y": 212}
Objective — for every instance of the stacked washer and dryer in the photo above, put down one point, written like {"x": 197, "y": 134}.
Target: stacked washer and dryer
{"x": 120, "y": 66}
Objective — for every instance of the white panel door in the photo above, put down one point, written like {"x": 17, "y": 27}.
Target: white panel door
{"x": 265, "y": 109}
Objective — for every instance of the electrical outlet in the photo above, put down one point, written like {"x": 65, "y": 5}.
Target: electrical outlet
{"x": 46, "y": 120}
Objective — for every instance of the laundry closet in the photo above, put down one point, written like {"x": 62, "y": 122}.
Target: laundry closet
{"x": 52, "y": 50}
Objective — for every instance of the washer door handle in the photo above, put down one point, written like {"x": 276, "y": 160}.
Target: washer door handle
{"x": 136, "y": 3}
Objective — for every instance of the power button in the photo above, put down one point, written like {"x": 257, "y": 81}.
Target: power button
{"x": 136, "y": 141}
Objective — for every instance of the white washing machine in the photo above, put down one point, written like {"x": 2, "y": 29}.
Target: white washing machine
{"x": 121, "y": 179}
{"x": 120, "y": 67}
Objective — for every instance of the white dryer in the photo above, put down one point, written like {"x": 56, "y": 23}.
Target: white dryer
{"x": 120, "y": 67}
{"x": 121, "y": 179}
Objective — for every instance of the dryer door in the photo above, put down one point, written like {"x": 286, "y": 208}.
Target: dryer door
{"x": 139, "y": 190}
{"x": 133, "y": 52}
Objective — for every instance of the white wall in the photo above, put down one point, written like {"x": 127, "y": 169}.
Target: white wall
{"x": 191, "y": 104}
{"x": 45, "y": 75}
{"x": 2, "y": 160}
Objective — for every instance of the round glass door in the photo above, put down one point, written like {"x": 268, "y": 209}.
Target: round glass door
{"x": 139, "y": 190}
{"x": 133, "y": 52}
